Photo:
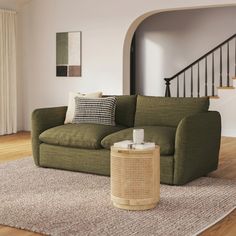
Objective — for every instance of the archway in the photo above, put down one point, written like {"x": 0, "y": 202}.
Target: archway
{"x": 130, "y": 33}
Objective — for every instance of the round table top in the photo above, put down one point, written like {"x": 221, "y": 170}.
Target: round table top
{"x": 133, "y": 150}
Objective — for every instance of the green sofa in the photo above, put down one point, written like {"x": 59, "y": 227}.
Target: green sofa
{"x": 188, "y": 135}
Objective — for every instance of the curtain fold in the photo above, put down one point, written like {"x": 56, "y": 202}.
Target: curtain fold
{"x": 8, "y": 85}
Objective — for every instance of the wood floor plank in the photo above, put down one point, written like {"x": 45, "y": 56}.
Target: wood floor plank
{"x": 9, "y": 231}
{"x": 226, "y": 227}
{"x": 16, "y": 146}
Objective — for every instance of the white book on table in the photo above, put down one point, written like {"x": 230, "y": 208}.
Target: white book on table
{"x": 131, "y": 145}
{"x": 123, "y": 144}
{"x": 144, "y": 146}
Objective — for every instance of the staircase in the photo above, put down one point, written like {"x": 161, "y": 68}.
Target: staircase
{"x": 207, "y": 75}
{"x": 212, "y": 75}
{"x": 226, "y": 105}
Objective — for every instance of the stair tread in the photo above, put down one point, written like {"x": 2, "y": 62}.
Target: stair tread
{"x": 214, "y": 97}
{"x": 226, "y": 87}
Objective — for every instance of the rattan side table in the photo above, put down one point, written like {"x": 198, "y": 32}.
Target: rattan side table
{"x": 135, "y": 178}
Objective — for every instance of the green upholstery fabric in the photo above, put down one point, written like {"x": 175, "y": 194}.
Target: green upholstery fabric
{"x": 125, "y": 110}
{"x": 75, "y": 159}
{"x": 197, "y": 146}
{"x": 78, "y": 135}
{"x": 41, "y": 120}
{"x": 91, "y": 161}
{"x": 166, "y": 169}
{"x": 188, "y": 152}
{"x": 163, "y": 111}
{"x": 163, "y": 136}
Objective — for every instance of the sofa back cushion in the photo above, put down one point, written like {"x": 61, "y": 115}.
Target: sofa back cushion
{"x": 125, "y": 110}
{"x": 164, "y": 111}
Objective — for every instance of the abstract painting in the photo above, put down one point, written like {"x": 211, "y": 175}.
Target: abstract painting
{"x": 68, "y": 58}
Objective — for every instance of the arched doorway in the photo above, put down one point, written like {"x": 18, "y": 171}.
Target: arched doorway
{"x": 129, "y": 52}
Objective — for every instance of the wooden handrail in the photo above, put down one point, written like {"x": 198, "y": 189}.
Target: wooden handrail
{"x": 196, "y": 62}
{"x": 202, "y": 57}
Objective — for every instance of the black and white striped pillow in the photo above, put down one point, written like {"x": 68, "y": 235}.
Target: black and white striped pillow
{"x": 95, "y": 110}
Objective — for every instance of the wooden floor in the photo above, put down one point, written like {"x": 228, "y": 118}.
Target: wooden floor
{"x": 17, "y": 146}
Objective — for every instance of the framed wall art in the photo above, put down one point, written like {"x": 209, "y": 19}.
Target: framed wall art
{"x": 68, "y": 54}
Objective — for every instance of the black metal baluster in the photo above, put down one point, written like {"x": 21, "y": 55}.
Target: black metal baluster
{"x": 228, "y": 64}
{"x": 184, "y": 86}
{"x": 224, "y": 45}
{"x": 191, "y": 81}
{"x": 221, "y": 78}
{"x": 198, "y": 80}
{"x": 167, "y": 93}
{"x": 213, "y": 75}
{"x": 177, "y": 86}
{"x": 206, "y": 92}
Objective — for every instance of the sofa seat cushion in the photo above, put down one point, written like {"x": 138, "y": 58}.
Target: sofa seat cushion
{"x": 162, "y": 136}
{"x": 86, "y": 136}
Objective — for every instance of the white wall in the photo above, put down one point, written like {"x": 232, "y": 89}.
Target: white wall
{"x": 13, "y": 4}
{"x": 10, "y": 5}
{"x": 168, "y": 42}
{"x": 104, "y": 25}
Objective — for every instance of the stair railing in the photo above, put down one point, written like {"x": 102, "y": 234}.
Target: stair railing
{"x": 211, "y": 53}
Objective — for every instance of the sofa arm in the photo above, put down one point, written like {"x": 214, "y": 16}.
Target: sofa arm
{"x": 43, "y": 119}
{"x": 197, "y": 145}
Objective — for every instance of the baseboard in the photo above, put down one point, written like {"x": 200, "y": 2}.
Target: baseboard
{"x": 228, "y": 133}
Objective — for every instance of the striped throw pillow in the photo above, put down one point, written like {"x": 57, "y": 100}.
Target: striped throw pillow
{"x": 95, "y": 110}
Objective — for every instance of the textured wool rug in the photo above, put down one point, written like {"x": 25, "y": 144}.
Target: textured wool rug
{"x": 56, "y": 202}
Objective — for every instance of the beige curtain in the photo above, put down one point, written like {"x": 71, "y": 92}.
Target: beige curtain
{"x": 8, "y": 109}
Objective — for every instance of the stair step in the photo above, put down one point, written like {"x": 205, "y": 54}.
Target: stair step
{"x": 226, "y": 87}
{"x": 214, "y": 97}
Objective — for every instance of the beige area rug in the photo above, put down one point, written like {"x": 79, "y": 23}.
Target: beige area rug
{"x": 56, "y": 202}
